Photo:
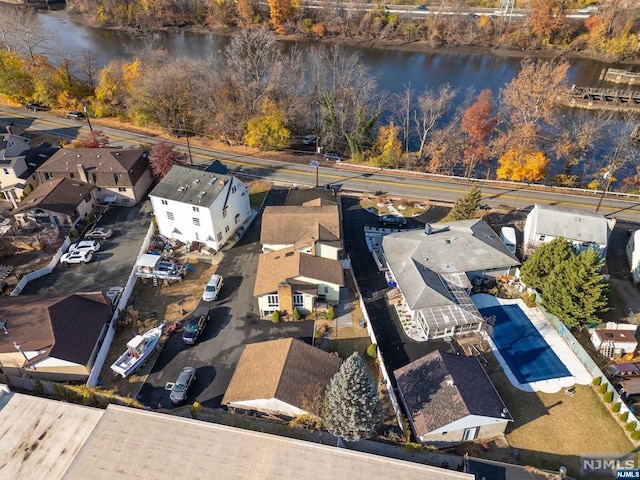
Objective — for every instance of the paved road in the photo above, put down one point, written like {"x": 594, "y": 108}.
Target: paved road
{"x": 518, "y": 196}
{"x": 234, "y": 324}
{"x": 111, "y": 266}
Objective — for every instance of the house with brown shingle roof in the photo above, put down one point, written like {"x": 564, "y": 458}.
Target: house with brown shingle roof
{"x": 450, "y": 400}
{"x": 53, "y": 337}
{"x": 122, "y": 177}
{"x": 288, "y": 279}
{"x": 282, "y": 377}
{"x": 313, "y": 228}
{"x": 57, "y": 202}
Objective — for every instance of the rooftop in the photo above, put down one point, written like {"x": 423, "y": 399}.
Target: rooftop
{"x": 616, "y": 335}
{"x": 570, "y": 223}
{"x": 188, "y": 185}
{"x": 440, "y": 388}
{"x": 127, "y": 444}
{"x": 292, "y": 225}
{"x": 287, "y": 369}
{"x": 288, "y": 264}
{"x": 94, "y": 160}
{"x": 62, "y": 195}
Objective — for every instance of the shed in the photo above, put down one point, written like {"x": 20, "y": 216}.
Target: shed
{"x": 615, "y": 340}
{"x": 630, "y": 387}
{"x": 621, "y": 370}
{"x": 147, "y": 260}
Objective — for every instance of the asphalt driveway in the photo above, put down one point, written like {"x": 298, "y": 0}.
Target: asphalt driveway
{"x": 111, "y": 266}
{"x": 234, "y": 323}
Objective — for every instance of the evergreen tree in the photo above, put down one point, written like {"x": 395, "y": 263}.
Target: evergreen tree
{"x": 576, "y": 291}
{"x": 352, "y": 407}
{"x": 465, "y": 207}
{"x": 542, "y": 262}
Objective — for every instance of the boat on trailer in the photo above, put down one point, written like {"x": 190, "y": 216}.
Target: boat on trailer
{"x": 139, "y": 348}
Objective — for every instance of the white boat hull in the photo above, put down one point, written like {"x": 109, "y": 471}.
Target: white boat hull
{"x": 127, "y": 363}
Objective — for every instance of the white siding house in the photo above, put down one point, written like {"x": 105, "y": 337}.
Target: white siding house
{"x": 633, "y": 255}
{"x": 581, "y": 228}
{"x": 615, "y": 339}
{"x": 195, "y": 206}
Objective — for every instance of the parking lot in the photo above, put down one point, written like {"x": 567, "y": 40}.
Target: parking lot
{"x": 111, "y": 266}
{"x": 234, "y": 323}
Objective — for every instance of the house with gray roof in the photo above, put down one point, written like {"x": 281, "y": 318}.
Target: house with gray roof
{"x": 53, "y": 337}
{"x": 582, "y": 228}
{"x": 293, "y": 384}
{"x": 450, "y": 400}
{"x": 195, "y": 206}
{"x": 435, "y": 270}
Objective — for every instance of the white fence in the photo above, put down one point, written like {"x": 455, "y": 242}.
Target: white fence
{"x": 42, "y": 271}
{"x": 124, "y": 298}
{"x": 383, "y": 368}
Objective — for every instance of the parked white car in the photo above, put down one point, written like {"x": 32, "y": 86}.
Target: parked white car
{"x": 85, "y": 246}
{"x": 212, "y": 290}
{"x": 76, "y": 257}
{"x": 99, "y": 232}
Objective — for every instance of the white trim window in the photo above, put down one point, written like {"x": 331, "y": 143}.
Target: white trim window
{"x": 272, "y": 301}
{"x": 298, "y": 300}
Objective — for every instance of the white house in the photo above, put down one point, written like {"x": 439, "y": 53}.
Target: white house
{"x": 435, "y": 270}
{"x": 450, "y": 400}
{"x": 581, "y": 228}
{"x": 313, "y": 227}
{"x": 195, "y": 206}
{"x": 615, "y": 339}
{"x": 282, "y": 377}
{"x": 633, "y": 255}
{"x": 288, "y": 279}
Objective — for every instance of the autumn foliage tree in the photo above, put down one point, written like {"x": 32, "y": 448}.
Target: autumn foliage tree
{"x": 477, "y": 124}
{"x": 268, "y": 130}
{"x": 281, "y": 12}
{"x": 387, "y": 149}
{"x": 522, "y": 164}
{"x": 92, "y": 139}
{"x": 163, "y": 156}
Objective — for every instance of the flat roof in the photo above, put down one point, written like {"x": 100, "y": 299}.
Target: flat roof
{"x": 138, "y": 444}
{"x": 41, "y": 437}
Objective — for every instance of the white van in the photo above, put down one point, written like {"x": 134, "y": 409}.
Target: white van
{"x": 508, "y": 236}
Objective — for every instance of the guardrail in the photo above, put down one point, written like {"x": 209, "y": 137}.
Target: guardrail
{"x": 41, "y": 272}
{"x": 124, "y": 298}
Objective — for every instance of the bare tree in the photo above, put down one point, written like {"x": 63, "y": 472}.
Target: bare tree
{"x": 31, "y": 39}
{"x": 89, "y": 67}
{"x": 432, "y": 106}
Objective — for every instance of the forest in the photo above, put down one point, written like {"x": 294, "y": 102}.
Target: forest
{"x": 262, "y": 95}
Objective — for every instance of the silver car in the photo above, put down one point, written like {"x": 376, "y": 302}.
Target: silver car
{"x": 85, "y": 246}
{"x": 181, "y": 387}
{"x": 99, "y": 232}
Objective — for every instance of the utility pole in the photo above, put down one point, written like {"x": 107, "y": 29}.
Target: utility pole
{"x": 608, "y": 177}
{"x": 86, "y": 112}
{"x": 186, "y": 132}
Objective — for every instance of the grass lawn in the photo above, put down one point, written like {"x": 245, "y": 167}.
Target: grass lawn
{"x": 258, "y": 190}
{"x": 551, "y": 430}
{"x": 411, "y": 207}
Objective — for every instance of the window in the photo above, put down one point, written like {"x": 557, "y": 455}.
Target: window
{"x": 116, "y": 177}
{"x": 95, "y": 177}
{"x": 196, "y": 221}
{"x": 125, "y": 200}
{"x": 48, "y": 175}
{"x": 224, "y": 212}
{"x": 237, "y": 218}
{"x": 6, "y": 171}
{"x": 122, "y": 189}
{"x": 87, "y": 198}
{"x": 226, "y": 229}
{"x": 72, "y": 175}
{"x": 541, "y": 238}
{"x": 196, "y": 209}
{"x": 170, "y": 216}
{"x": 326, "y": 289}
{"x": 197, "y": 236}
{"x": 164, "y": 202}
{"x": 298, "y": 300}
{"x": 219, "y": 236}
{"x": 99, "y": 189}
{"x": 233, "y": 189}
{"x": 272, "y": 300}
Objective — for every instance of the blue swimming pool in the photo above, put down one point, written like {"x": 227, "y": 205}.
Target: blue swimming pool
{"x": 528, "y": 355}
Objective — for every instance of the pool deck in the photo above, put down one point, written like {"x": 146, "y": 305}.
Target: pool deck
{"x": 579, "y": 374}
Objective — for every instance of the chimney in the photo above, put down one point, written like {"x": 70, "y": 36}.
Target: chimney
{"x": 427, "y": 229}
{"x": 9, "y": 130}
{"x": 83, "y": 174}
{"x": 221, "y": 182}
{"x": 285, "y": 298}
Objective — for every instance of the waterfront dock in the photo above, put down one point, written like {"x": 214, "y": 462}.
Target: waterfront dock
{"x": 617, "y": 75}
{"x": 591, "y": 98}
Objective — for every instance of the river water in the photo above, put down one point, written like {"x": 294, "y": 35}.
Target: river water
{"x": 394, "y": 68}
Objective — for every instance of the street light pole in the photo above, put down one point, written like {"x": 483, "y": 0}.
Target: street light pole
{"x": 86, "y": 112}
{"x": 316, "y": 164}
{"x": 184, "y": 128}
{"x": 608, "y": 177}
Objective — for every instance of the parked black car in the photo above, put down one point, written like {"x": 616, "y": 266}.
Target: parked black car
{"x": 194, "y": 328}
{"x": 180, "y": 389}
{"x": 392, "y": 220}
{"x": 35, "y": 106}
{"x": 76, "y": 115}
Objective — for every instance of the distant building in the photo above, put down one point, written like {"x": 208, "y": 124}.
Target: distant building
{"x": 61, "y": 202}
{"x": 195, "y": 206}
{"x": 581, "y": 228}
{"x": 121, "y": 177}
{"x": 633, "y": 255}
{"x": 53, "y": 337}
{"x": 288, "y": 279}
{"x": 281, "y": 377}
{"x": 450, "y": 400}
{"x": 435, "y": 270}
{"x": 615, "y": 340}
